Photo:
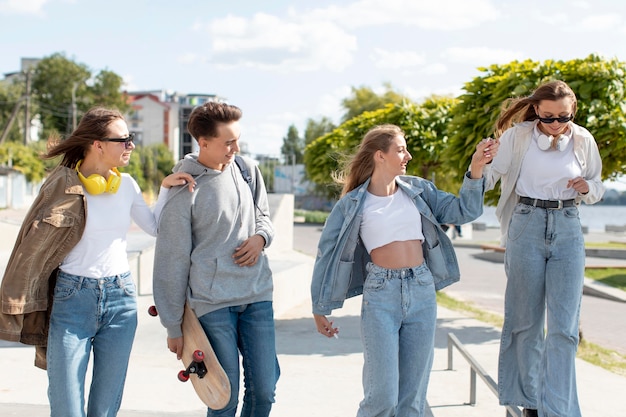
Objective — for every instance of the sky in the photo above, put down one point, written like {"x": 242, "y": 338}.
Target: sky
{"x": 285, "y": 61}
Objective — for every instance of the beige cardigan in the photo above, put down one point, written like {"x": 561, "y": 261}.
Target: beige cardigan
{"x": 507, "y": 164}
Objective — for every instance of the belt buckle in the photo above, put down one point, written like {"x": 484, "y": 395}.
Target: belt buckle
{"x": 559, "y": 206}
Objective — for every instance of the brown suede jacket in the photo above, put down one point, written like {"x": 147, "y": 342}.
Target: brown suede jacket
{"x": 52, "y": 227}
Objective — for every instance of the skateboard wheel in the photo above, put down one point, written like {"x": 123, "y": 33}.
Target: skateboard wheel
{"x": 153, "y": 311}
{"x": 198, "y": 356}
{"x": 183, "y": 376}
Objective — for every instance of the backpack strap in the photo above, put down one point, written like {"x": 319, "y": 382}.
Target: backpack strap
{"x": 245, "y": 173}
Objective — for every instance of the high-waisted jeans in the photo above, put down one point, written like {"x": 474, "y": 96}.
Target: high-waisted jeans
{"x": 398, "y": 319}
{"x": 90, "y": 314}
{"x": 544, "y": 263}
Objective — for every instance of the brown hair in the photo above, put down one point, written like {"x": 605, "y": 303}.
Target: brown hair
{"x": 361, "y": 165}
{"x": 523, "y": 109}
{"x": 204, "y": 119}
{"x": 94, "y": 125}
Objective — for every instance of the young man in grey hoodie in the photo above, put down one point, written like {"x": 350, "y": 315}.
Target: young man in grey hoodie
{"x": 209, "y": 252}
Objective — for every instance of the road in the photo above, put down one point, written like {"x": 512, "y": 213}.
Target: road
{"x": 483, "y": 282}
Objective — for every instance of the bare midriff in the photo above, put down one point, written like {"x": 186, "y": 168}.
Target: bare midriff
{"x": 399, "y": 254}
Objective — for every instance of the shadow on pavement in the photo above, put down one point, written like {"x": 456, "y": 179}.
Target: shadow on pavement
{"x": 300, "y": 337}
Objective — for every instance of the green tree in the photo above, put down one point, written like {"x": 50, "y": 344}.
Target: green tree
{"x": 425, "y": 127}
{"x": 149, "y": 165}
{"x": 267, "y": 165}
{"x": 23, "y": 158}
{"x": 599, "y": 87}
{"x": 107, "y": 91}
{"x": 293, "y": 146}
{"x": 63, "y": 90}
{"x": 317, "y": 128}
{"x": 53, "y": 80}
{"x": 11, "y": 108}
{"x": 365, "y": 99}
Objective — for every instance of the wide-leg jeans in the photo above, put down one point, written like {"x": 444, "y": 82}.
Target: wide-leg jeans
{"x": 89, "y": 314}
{"x": 544, "y": 263}
{"x": 248, "y": 329}
{"x": 398, "y": 319}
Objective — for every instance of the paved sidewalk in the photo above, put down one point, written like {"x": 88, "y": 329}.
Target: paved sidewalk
{"x": 320, "y": 376}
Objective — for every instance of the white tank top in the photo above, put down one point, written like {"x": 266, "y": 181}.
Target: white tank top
{"x": 389, "y": 219}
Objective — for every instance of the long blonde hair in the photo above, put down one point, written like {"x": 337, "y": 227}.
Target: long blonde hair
{"x": 523, "y": 108}
{"x": 361, "y": 166}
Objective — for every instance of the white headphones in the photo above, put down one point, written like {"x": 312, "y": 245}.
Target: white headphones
{"x": 545, "y": 142}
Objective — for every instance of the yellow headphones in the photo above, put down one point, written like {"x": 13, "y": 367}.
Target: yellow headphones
{"x": 96, "y": 184}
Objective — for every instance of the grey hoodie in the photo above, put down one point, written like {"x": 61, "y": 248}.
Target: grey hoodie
{"x": 198, "y": 234}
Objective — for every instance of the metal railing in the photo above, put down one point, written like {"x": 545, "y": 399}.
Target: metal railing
{"x": 476, "y": 369}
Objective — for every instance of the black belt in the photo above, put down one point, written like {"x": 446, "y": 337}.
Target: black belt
{"x": 547, "y": 204}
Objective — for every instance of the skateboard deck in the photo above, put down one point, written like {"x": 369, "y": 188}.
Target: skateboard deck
{"x": 201, "y": 365}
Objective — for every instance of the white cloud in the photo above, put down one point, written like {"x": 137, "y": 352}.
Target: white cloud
{"x": 600, "y": 22}
{"x": 329, "y": 104}
{"x": 23, "y": 6}
{"x": 582, "y": 4}
{"x": 481, "y": 55}
{"x": 396, "y": 59}
{"x": 434, "y": 69}
{"x": 419, "y": 95}
{"x": 189, "y": 58}
{"x": 321, "y": 38}
{"x": 426, "y": 14}
{"x": 271, "y": 43}
{"x": 552, "y": 19}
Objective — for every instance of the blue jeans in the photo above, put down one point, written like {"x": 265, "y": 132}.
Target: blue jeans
{"x": 544, "y": 263}
{"x": 90, "y": 314}
{"x": 398, "y": 319}
{"x": 248, "y": 329}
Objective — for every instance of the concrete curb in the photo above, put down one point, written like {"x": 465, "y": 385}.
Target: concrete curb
{"x": 599, "y": 289}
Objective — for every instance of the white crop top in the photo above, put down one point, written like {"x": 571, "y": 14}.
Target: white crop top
{"x": 389, "y": 219}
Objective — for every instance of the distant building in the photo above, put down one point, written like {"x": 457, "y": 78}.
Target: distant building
{"x": 26, "y": 65}
{"x": 158, "y": 116}
{"x": 187, "y": 104}
{"x": 154, "y": 121}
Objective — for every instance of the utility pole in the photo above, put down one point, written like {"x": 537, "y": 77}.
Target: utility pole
{"x": 28, "y": 73}
{"x": 293, "y": 173}
{"x": 74, "y": 87}
{"x": 5, "y": 132}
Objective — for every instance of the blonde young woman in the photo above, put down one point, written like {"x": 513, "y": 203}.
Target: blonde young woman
{"x": 547, "y": 166}
{"x": 384, "y": 239}
{"x": 72, "y": 245}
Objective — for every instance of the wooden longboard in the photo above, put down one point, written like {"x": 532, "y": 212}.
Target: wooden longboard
{"x": 213, "y": 387}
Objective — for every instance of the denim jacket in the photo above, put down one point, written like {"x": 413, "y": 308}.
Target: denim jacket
{"x": 339, "y": 270}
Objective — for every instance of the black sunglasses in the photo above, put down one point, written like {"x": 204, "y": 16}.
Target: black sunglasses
{"x": 560, "y": 119}
{"x": 126, "y": 141}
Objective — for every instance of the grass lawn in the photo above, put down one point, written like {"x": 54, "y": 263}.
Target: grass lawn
{"x": 610, "y": 276}
{"x": 605, "y": 245}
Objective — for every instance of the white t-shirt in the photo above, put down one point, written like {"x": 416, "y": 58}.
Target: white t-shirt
{"x": 389, "y": 219}
{"x": 544, "y": 174}
{"x": 101, "y": 251}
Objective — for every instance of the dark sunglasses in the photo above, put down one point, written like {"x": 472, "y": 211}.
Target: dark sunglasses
{"x": 126, "y": 141}
{"x": 561, "y": 119}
